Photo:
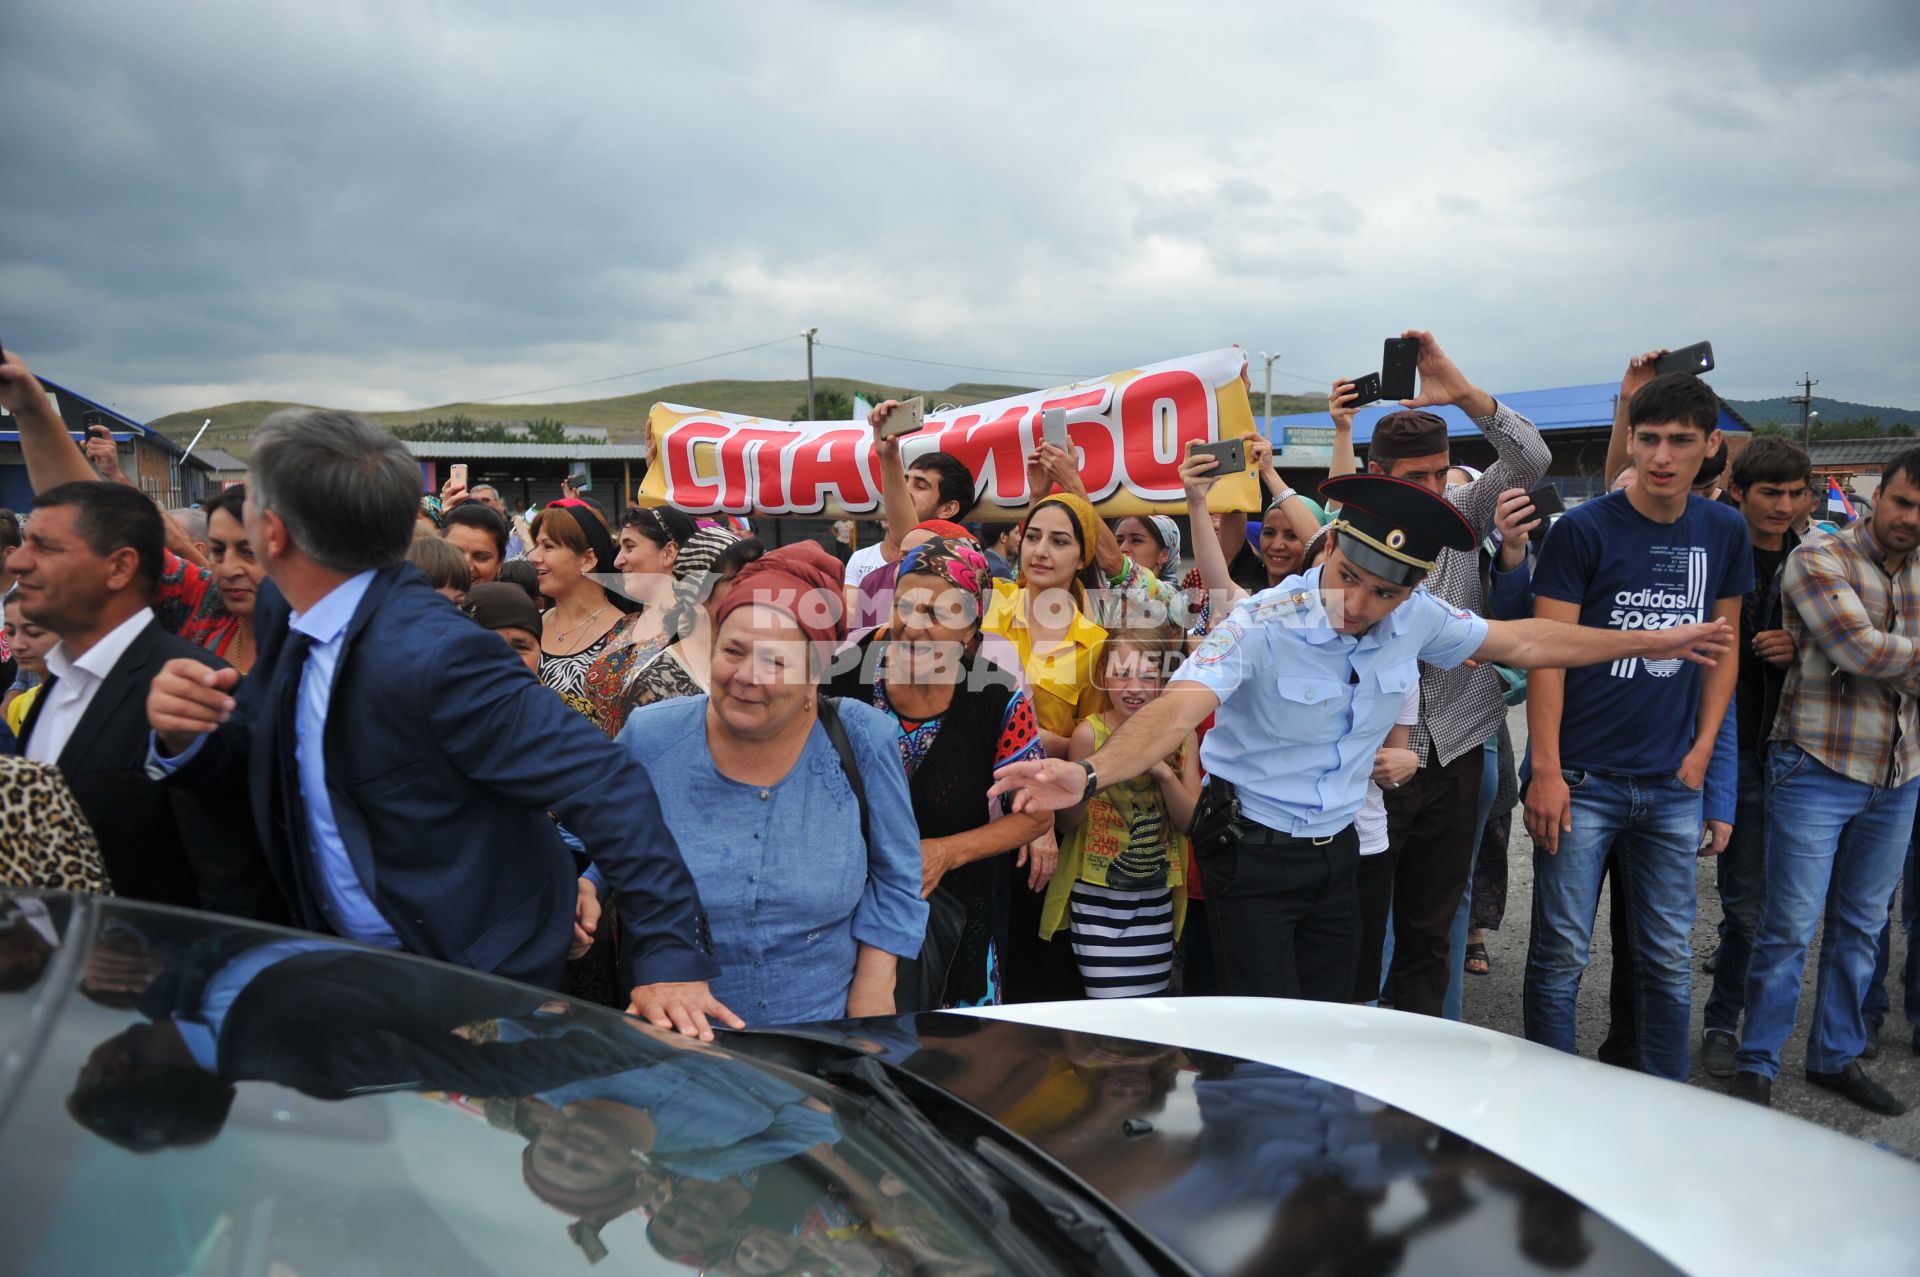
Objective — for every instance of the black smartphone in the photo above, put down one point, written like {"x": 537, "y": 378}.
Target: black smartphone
{"x": 1546, "y": 501}
{"x": 92, "y": 417}
{"x": 1367, "y": 385}
{"x": 1399, "y": 368}
{"x": 1696, "y": 359}
{"x": 1230, "y": 453}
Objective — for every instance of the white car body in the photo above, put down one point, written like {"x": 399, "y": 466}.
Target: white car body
{"x": 1712, "y": 1184}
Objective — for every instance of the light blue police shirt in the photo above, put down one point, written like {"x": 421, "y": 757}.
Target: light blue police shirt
{"x": 1303, "y": 707}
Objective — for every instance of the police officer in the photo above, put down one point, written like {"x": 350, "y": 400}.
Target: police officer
{"x": 1305, "y": 680}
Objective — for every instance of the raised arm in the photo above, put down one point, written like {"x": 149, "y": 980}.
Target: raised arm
{"x": 1340, "y": 405}
{"x": 1639, "y": 373}
{"x": 1521, "y": 454}
{"x": 50, "y": 453}
{"x": 896, "y": 499}
{"x": 1197, "y": 476}
{"x": 1292, "y": 506}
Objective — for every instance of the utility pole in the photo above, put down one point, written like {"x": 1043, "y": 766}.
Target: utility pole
{"x": 1805, "y": 400}
{"x": 809, "y": 334}
{"x": 1269, "y": 362}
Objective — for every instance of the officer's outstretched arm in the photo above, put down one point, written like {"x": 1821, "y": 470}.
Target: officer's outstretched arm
{"x": 1537, "y": 643}
{"x": 1151, "y": 734}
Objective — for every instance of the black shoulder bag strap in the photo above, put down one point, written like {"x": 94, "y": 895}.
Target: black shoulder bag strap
{"x": 837, "y": 733}
{"x": 921, "y": 981}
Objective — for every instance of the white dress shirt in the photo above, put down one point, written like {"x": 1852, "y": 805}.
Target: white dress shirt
{"x": 65, "y": 704}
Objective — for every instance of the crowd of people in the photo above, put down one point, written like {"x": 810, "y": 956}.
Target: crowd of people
{"x": 648, "y": 760}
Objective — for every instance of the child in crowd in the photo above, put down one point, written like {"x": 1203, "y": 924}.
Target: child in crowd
{"x": 1120, "y": 885}
{"x": 30, "y": 645}
{"x": 445, "y": 568}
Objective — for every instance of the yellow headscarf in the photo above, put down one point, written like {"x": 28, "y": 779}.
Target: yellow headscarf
{"x": 1086, "y": 523}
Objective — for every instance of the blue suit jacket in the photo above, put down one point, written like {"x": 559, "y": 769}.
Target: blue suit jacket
{"x": 444, "y": 758}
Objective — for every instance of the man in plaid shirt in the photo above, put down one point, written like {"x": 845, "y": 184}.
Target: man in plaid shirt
{"x": 1841, "y": 790}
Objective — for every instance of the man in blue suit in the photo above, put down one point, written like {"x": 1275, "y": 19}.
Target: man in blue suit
{"x": 400, "y": 763}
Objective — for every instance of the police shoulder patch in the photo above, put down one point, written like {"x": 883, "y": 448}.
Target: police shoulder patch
{"x": 1214, "y": 648}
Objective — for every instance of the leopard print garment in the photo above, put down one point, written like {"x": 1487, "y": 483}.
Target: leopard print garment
{"x": 45, "y": 842}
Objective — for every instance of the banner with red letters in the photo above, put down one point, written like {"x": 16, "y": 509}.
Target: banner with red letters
{"x": 1129, "y": 432}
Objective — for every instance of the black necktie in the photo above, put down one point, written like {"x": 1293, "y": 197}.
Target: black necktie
{"x": 290, "y": 809}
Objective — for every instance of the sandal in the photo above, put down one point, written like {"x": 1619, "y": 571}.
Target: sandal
{"x": 1477, "y": 953}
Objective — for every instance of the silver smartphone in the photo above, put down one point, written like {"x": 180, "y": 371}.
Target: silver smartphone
{"x": 906, "y": 417}
{"x": 1053, "y": 428}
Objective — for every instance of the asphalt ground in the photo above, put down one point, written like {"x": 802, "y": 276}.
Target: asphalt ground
{"x": 1493, "y": 1001}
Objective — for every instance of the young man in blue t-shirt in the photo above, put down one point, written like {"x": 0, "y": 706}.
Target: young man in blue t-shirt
{"x": 1619, "y": 753}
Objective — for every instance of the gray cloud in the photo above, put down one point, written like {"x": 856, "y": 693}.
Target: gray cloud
{"x": 395, "y": 205}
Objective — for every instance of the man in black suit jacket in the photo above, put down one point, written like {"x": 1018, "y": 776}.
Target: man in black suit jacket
{"x": 401, "y": 763}
{"x": 87, "y": 572}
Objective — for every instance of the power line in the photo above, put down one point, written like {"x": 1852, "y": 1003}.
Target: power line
{"x": 1877, "y": 393}
{"x": 640, "y": 372}
{"x": 936, "y": 363}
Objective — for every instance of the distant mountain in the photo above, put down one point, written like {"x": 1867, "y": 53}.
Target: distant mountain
{"x": 1783, "y": 411}
{"x": 624, "y": 418}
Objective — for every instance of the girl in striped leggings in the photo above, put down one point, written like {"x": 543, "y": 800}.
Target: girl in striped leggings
{"x": 1119, "y": 888}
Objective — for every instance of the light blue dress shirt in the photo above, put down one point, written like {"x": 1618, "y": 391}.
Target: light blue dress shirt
{"x": 790, "y": 890}
{"x": 1303, "y": 707}
{"x": 349, "y": 909}
{"x": 202, "y": 1033}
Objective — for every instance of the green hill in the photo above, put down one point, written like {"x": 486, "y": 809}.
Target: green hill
{"x": 1837, "y": 419}
{"x": 624, "y": 418}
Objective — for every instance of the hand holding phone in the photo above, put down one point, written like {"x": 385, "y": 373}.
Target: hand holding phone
{"x": 1366, "y": 389}
{"x": 1053, "y": 428}
{"x": 903, "y": 418}
{"x": 1546, "y": 501}
{"x": 1696, "y": 359}
{"x": 1230, "y": 453}
{"x": 1399, "y": 366}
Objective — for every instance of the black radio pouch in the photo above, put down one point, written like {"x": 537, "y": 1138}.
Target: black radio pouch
{"x": 1217, "y": 822}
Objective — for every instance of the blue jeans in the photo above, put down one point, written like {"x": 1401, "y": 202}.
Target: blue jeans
{"x": 1742, "y": 875}
{"x": 1654, "y": 824}
{"x": 1457, "y": 934}
{"x": 1832, "y": 843}
{"x": 1879, "y": 1001}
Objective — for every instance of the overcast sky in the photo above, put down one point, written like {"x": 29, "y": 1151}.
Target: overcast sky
{"x": 393, "y": 205}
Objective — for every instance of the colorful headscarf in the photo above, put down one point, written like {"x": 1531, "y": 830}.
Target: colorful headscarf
{"x": 958, "y": 563}
{"x": 1169, "y": 533}
{"x": 431, "y": 505}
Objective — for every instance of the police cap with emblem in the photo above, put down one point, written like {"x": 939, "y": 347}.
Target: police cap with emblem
{"x": 1392, "y": 528}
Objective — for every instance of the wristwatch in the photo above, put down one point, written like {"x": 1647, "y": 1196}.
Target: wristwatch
{"x": 1093, "y": 783}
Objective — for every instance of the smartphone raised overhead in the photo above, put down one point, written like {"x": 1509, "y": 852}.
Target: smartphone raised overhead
{"x": 1696, "y": 359}
{"x": 1366, "y": 388}
{"x": 457, "y": 472}
{"x": 1053, "y": 429}
{"x": 1399, "y": 367}
{"x": 904, "y": 418}
{"x": 1230, "y": 453}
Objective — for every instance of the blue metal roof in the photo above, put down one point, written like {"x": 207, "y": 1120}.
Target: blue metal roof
{"x": 1567, "y": 408}
{"x": 123, "y": 426}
